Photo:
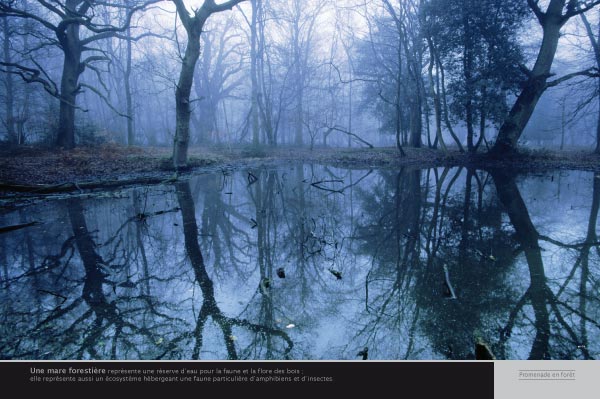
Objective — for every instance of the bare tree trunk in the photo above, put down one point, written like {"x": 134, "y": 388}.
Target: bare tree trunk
{"x": 514, "y": 124}
{"x": 416, "y": 122}
{"x": 128, "y": 96}
{"x": 299, "y": 76}
{"x": 437, "y": 106}
{"x": 597, "y": 52}
{"x": 253, "y": 73}
{"x": 398, "y": 106}
{"x": 298, "y": 140}
{"x": 467, "y": 74}
{"x": 8, "y": 81}
{"x": 182, "y": 97}
{"x": 597, "y": 150}
{"x": 596, "y": 47}
{"x": 399, "y": 125}
{"x": 482, "y": 118}
{"x": 562, "y": 126}
{"x": 349, "y": 113}
{"x": 446, "y": 113}
{"x": 69, "y": 86}
{"x": 4, "y": 262}
{"x": 264, "y": 72}
{"x": 193, "y": 26}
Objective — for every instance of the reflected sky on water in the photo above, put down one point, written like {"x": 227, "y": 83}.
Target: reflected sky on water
{"x": 308, "y": 262}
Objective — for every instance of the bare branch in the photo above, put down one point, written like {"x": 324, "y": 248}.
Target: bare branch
{"x": 535, "y": 7}
{"x": 104, "y": 32}
{"x": 344, "y": 81}
{"x": 353, "y": 135}
{"x": 31, "y": 75}
{"x": 592, "y": 37}
{"x": 95, "y": 58}
{"x": 183, "y": 13}
{"x": 9, "y": 11}
{"x": 212, "y": 7}
{"x": 590, "y": 73}
{"x": 106, "y": 100}
{"x": 570, "y": 246}
{"x": 575, "y": 7}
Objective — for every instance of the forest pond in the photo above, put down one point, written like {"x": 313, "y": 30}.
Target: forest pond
{"x": 308, "y": 262}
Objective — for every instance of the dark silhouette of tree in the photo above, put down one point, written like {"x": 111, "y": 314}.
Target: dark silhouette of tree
{"x": 538, "y": 294}
{"x": 593, "y": 39}
{"x": 556, "y": 15}
{"x": 76, "y": 28}
{"x": 193, "y": 24}
{"x": 477, "y": 44}
{"x": 209, "y": 306}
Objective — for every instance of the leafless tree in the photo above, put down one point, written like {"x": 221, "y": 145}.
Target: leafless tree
{"x": 193, "y": 24}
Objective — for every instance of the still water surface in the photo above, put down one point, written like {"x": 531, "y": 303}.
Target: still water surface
{"x": 308, "y": 262}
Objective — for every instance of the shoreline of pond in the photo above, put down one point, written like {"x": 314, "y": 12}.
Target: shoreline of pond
{"x": 39, "y": 170}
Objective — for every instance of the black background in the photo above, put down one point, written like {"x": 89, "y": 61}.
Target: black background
{"x": 401, "y": 379}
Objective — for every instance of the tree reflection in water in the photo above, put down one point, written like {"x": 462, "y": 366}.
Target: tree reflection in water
{"x": 430, "y": 262}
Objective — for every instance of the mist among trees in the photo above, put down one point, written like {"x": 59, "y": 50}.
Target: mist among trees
{"x": 475, "y": 76}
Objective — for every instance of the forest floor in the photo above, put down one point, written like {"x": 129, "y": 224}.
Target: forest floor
{"x": 37, "y": 166}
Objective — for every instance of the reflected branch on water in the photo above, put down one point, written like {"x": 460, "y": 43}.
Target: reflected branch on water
{"x": 178, "y": 272}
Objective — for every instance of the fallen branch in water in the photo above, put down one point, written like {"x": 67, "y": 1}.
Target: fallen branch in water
{"x": 7, "y": 229}
{"x": 143, "y": 216}
{"x": 91, "y": 185}
{"x": 317, "y": 184}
